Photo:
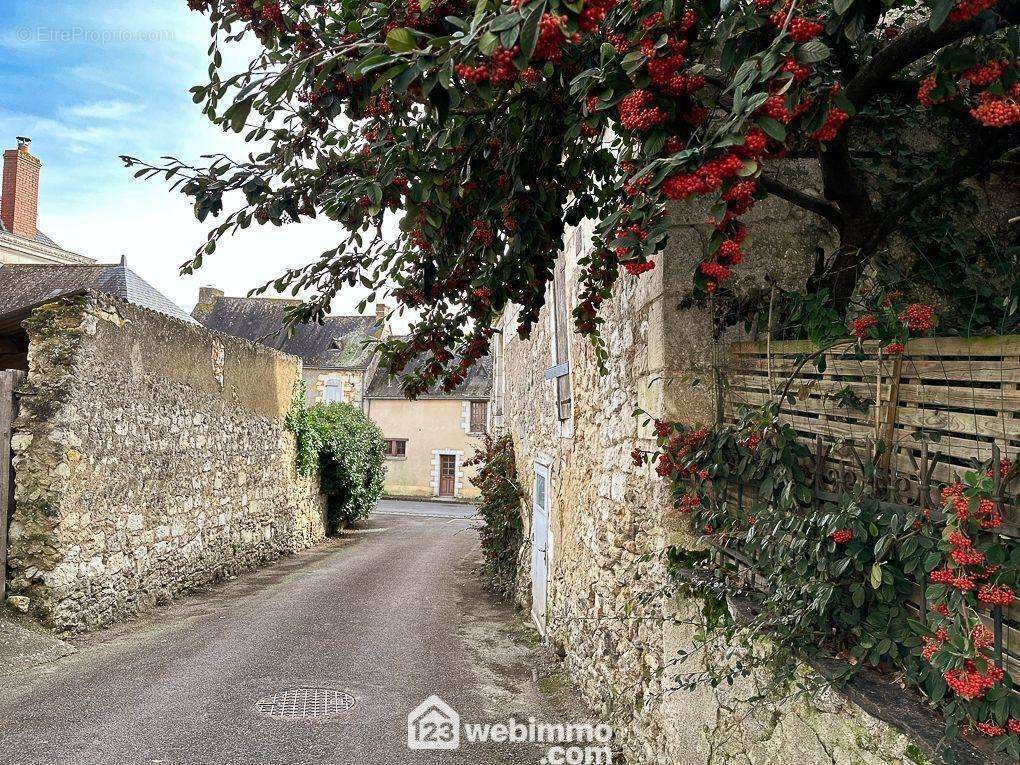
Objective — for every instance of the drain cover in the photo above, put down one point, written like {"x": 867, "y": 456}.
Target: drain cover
{"x": 303, "y": 703}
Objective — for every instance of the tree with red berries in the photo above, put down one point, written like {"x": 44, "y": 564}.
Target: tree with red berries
{"x": 481, "y": 129}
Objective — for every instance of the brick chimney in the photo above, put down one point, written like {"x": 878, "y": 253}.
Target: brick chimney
{"x": 209, "y": 294}
{"x": 19, "y": 204}
{"x": 207, "y": 297}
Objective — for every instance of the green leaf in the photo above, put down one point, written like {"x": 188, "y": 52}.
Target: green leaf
{"x": 488, "y": 43}
{"x": 401, "y": 40}
{"x": 940, "y": 13}
{"x": 774, "y": 128}
{"x": 813, "y": 51}
{"x": 529, "y": 30}
{"x": 876, "y": 576}
{"x": 506, "y": 21}
{"x": 840, "y": 6}
{"x": 238, "y": 113}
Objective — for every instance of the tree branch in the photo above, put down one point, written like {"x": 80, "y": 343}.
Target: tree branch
{"x": 992, "y": 145}
{"x": 814, "y": 204}
{"x": 916, "y": 43}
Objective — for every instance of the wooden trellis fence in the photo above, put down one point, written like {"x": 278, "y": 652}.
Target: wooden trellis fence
{"x": 940, "y": 409}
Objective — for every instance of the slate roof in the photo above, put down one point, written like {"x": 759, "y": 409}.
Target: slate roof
{"x": 477, "y": 386}
{"x": 25, "y": 285}
{"x": 40, "y": 237}
{"x": 340, "y": 342}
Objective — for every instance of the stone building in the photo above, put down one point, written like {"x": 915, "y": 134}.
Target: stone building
{"x": 21, "y": 241}
{"x": 338, "y": 357}
{"x": 429, "y": 440}
{"x": 592, "y": 574}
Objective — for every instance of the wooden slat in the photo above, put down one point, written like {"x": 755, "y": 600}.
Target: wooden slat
{"x": 998, "y": 345}
{"x": 6, "y": 474}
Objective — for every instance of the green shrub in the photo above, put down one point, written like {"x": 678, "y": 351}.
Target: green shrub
{"x": 347, "y": 449}
{"x": 502, "y": 531}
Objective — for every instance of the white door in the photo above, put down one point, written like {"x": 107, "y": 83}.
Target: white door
{"x": 540, "y": 546}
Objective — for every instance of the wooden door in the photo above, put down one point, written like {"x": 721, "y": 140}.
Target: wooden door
{"x": 540, "y": 547}
{"x": 447, "y": 475}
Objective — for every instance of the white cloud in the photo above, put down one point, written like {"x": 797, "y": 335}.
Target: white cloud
{"x": 96, "y": 76}
{"x": 101, "y": 110}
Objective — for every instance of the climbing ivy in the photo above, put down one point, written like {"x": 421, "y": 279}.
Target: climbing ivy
{"x": 347, "y": 450}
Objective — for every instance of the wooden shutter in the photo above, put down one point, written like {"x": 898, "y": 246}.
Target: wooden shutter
{"x": 561, "y": 314}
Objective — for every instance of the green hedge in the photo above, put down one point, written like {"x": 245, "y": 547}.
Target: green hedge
{"x": 347, "y": 449}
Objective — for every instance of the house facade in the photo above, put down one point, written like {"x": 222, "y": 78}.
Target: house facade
{"x": 430, "y": 440}
{"x": 338, "y": 357}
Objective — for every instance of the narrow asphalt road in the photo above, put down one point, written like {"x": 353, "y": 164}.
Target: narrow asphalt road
{"x": 389, "y": 614}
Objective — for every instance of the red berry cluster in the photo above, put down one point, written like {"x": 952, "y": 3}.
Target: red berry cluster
{"x": 998, "y": 112}
{"x": 551, "y": 38}
{"x": 894, "y": 349}
{"x": 983, "y": 75}
{"x": 638, "y": 112}
{"x": 970, "y": 683}
{"x": 990, "y": 728}
{"x": 968, "y": 9}
{"x": 842, "y": 536}
{"x": 919, "y": 317}
{"x": 799, "y": 72}
{"x": 830, "y": 128}
{"x": 638, "y": 267}
{"x": 862, "y": 324}
{"x": 482, "y": 233}
{"x": 775, "y": 107}
{"x": 933, "y": 644}
{"x": 987, "y": 515}
{"x": 689, "y": 502}
{"x": 594, "y": 13}
{"x": 996, "y": 595}
{"x": 802, "y": 30}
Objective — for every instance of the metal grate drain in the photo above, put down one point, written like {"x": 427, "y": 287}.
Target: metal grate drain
{"x": 304, "y": 703}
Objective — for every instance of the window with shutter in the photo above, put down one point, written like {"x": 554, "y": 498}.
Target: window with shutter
{"x": 479, "y": 415}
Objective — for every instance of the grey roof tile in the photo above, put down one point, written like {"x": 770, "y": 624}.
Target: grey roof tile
{"x": 340, "y": 342}
{"x": 23, "y": 285}
{"x": 477, "y": 386}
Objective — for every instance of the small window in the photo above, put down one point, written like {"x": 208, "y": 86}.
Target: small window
{"x": 333, "y": 393}
{"x": 479, "y": 416}
{"x": 396, "y": 447}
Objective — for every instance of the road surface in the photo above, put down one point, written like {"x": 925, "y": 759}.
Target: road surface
{"x": 389, "y": 615}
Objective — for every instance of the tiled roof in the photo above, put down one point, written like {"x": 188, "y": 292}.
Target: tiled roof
{"x": 24, "y": 285}
{"x": 340, "y": 342}
{"x": 477, "y": 386}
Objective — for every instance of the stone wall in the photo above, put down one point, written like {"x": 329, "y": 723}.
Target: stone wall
{"x": 609, "y": 520}
{"x": 351, "y": 385}
{"x": 151, "y": 458}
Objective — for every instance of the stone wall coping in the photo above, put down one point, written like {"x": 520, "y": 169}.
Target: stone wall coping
{"x": 99, "y": 298}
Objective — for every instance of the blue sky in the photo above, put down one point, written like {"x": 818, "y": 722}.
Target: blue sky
{"x": 89, "y": 81}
